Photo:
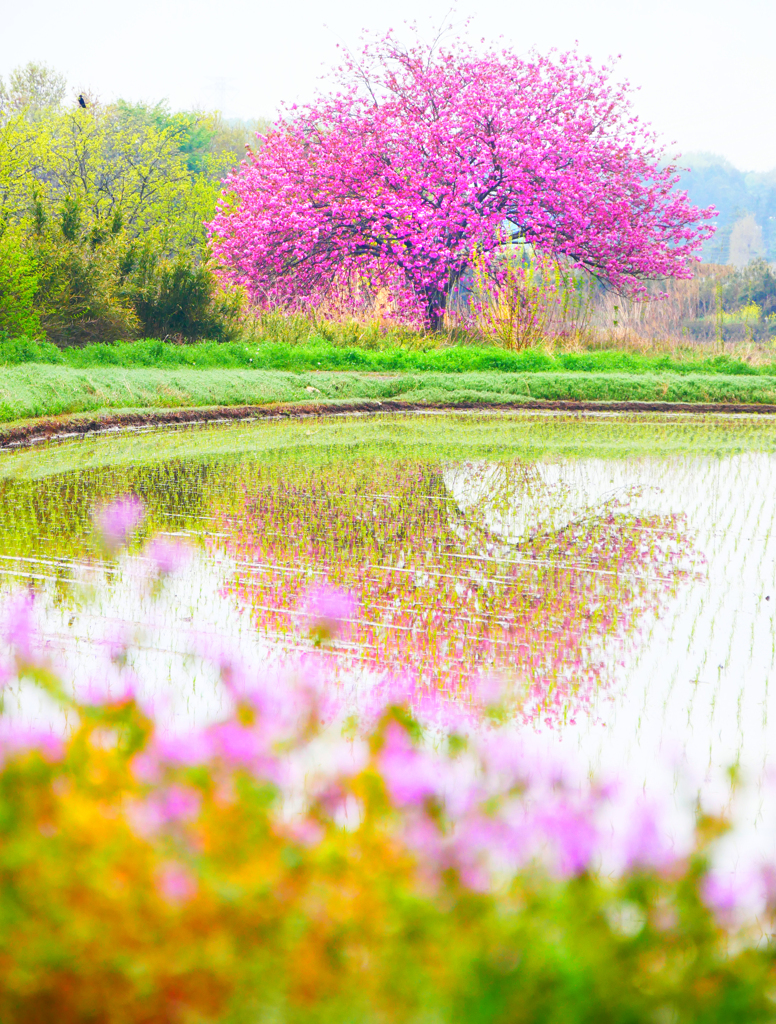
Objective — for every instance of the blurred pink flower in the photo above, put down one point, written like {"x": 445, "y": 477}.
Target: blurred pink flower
{"x": 734, "y": 895}
{"x": 645, "y": 844}
{"x": 168, "y": 556}
{"x": 246, "y": 747}
{"x": 573, "y": 834}
{"x": 18, "y": 626}
{"x": 305, "y": 831}
{"x": 411, "y": 776}
{"x": 175, "y": 882}
{"x": 719, "y": 892}
{"x": 117, "y": 522}
{"x": 171, "y": 750}
{"x": 328, "y": 610}
{"x": 171, "y": 806}
{"x": 17, "y": 739}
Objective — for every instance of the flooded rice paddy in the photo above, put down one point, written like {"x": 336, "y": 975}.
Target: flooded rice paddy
{"x": 614, "y": 578}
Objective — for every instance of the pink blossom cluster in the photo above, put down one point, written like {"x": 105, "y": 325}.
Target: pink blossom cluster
{"x": 466, "y": 793}
{"x": 484, "y": 810}
{"x": 117, "y": 521}
{"x": 424, "y": 157}
{"x": 467, "y": 796}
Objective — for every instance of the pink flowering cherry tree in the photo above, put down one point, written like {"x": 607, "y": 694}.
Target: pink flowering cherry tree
{"x": 424, "y": 155}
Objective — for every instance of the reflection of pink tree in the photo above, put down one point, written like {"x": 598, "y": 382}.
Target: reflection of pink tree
{"x": 435, "y": 597}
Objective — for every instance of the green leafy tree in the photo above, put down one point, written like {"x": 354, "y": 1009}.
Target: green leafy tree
{"x": 110, "y": 202}
{"x": 127, "y": 177}
{"x": 31, "y": 90}
{"x": 18, "y": 288}
{"x": 753, "y": 284}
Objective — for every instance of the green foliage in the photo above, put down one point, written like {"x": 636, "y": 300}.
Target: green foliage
{"x": 105, "y": 164}
{"x": 24, "y": 349}
{"x": 209, "y": 143}
{"x": 180, "y": 299}
{"x": 109, "y": 204}
{"x": 34, "y": 390}
{"x": 18, "y": 288}
{"x": 315, "y": 353}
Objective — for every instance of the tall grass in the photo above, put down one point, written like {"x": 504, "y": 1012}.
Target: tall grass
{"x": 298, "y": 352}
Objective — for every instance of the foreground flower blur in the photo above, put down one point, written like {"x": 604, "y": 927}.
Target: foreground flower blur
{"x": 298, "y": 860}
{"x": 116, "y": 522}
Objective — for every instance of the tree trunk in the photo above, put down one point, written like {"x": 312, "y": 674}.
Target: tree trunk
{"x": 436, "y": 302}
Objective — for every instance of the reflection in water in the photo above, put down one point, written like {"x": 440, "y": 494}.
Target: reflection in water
{"x": 629, "y": 596}
{"x": 448, "y": 592}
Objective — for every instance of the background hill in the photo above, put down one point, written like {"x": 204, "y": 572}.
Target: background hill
{"x": 746, "y": 201}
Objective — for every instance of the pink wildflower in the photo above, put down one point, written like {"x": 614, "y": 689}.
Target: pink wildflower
{"x": 168, "y": 556}
{"x": 328, "y": 610}
{"x": 99, "y": 692}
{"x": 18, "y": 626}
{"x": 735, "y": 895}
{"x": 411, "y": 776}
{"x": 172, "y": 806}
{"x": 245, "y": 747}
{"x": 645, "y": 845}
{"x": 16, "y": 739}
{"x": 720, "y": 893}
{"x": 573, "y": 835}
{"x": 117, "y": 522}
{"x": 305, "y": 831}
{"x": 175, "y": 883}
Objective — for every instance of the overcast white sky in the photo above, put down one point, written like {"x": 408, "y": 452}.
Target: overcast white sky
{"x": 706, "y": 68}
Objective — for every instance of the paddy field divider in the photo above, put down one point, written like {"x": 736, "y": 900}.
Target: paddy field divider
{"x": 41, "y": 399}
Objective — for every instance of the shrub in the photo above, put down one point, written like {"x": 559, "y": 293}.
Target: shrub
{"x": 18, "y": 287}
{"x": 80, "y": 299}
{"x": 180, "y": 299}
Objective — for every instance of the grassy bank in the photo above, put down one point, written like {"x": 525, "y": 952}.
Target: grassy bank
{"x": 322, "y": 355}
{"x": 30, "y": 391}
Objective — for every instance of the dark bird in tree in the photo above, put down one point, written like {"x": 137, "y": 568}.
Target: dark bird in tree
{"x": 82, "y": 102}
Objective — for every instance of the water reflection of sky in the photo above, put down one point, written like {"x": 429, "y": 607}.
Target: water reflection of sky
{"x": 700, "y": 683}
{"x": 698, "y": 693}
{"x": 692, "y": 695}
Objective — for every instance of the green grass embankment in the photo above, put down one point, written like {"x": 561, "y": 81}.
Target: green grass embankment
{"x": 33, "y": 390}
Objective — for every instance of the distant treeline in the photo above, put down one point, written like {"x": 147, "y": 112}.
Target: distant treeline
{"x": 746, "y": 227}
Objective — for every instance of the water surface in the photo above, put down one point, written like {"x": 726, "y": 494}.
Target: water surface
{"x": 615, "y": 576}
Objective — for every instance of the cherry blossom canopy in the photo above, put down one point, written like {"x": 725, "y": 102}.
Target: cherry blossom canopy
{"x": 423, "y": 154}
